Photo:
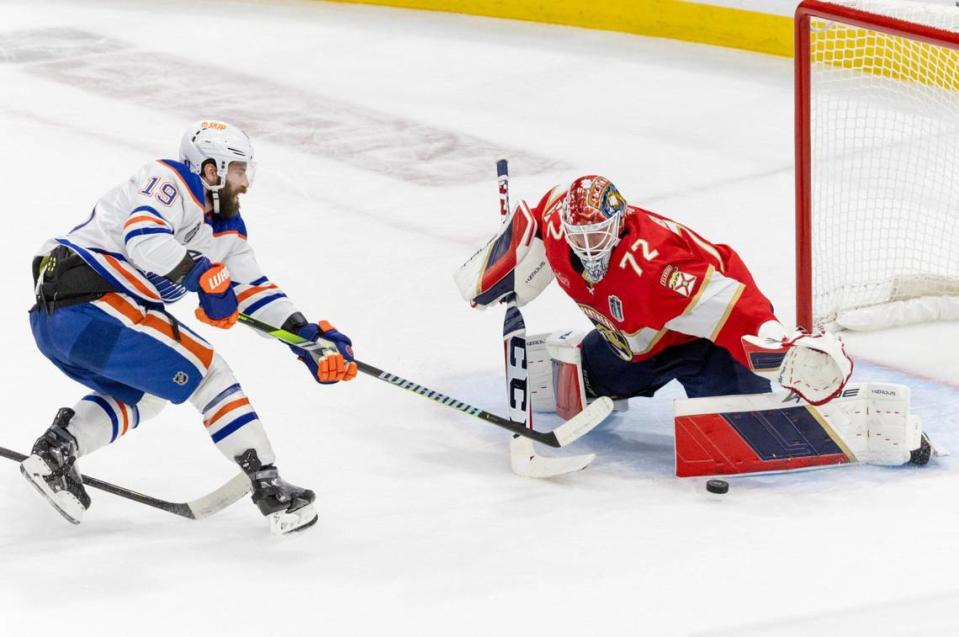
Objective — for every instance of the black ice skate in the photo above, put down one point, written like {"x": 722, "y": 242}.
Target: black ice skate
{"x": 289, "y": 508}
{"x": 925, "y": 451}
{"x": 51, "y": 469}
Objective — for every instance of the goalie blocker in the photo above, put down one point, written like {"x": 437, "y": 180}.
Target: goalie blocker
{"x": 512, "y": 263}
{"x": 868, "y": 423}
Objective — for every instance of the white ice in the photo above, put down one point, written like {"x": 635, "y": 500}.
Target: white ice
{"x": 377, "y": 132}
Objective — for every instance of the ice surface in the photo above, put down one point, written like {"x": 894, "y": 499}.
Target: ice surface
{"x": 377, "y": 132}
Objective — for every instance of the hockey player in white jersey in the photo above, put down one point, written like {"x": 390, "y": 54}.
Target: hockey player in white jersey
{"x": 102, "y": 289}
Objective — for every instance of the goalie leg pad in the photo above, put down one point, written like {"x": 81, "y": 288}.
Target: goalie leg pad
{"x": 555, "y": 368}
{"x": 893, "y": 432}
{"x": 569, "y": 387}
{"x": 540, "y": 373}
{"x": 556, "y": 373}
{"x": 869, "y": 423}
{"x": 556, "y": 379}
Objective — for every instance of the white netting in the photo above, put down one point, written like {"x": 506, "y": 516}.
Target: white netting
{"x": 884, "y": 161}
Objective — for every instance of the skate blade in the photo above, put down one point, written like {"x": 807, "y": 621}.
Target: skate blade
{"x": 284, "y": 523}
{"x": 34, "y": 469}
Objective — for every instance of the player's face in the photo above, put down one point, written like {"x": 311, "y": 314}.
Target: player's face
{"x": 237, "y": 177}
{"x": 591, "y": 242}
{"x": 237, "y": 183}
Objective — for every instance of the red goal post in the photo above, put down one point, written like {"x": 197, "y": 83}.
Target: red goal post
{"x": 877, "y": 163}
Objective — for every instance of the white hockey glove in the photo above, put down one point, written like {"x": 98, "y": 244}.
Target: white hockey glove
{"x": 513, "y": 261}
{"x": 815, "y": 366}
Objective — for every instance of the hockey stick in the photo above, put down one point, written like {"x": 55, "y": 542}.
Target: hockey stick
{"x": 523, "y": 458}
{"x": 566, "y": 433}
{"x": 198, "y": 509}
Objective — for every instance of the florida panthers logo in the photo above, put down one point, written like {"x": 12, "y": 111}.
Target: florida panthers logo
{"x": 610, "y": 333}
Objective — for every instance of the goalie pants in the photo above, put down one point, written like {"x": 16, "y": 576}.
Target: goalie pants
{"x": 701, "y": 367}
{"x": 135, "y": 358}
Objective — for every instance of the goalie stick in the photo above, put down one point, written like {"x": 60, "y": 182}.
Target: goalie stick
{"x": 563, "y": 435}
{"x": 523, "y": 458}
{"x": 198, "y": 509}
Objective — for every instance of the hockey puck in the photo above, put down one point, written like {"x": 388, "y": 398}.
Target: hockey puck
{"x": 717, "y": 486}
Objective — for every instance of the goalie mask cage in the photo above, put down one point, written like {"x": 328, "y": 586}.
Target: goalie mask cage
{"x": 877, "y": 163}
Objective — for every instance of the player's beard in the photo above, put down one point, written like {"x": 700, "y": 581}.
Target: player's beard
{"x": 229, "y": 201}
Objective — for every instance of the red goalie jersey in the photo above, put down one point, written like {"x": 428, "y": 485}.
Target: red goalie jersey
{"x": 665, "y": 286}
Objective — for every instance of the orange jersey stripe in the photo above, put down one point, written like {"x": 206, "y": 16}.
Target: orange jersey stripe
{"x": 122, "y": 306}
{"x": 133, "y": 220}
{"x": 225, "y": 409}
{"x": 225, "y": 232}
{"x": 203, "y": 353}
{"x": 127, "y": 309}
{"x": 248, "y": 293}
{"x": 126, "y": 418}
{"x": 130, "y": 278}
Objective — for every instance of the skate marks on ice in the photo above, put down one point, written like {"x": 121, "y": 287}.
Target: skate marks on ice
{"x": 335, "y": 129}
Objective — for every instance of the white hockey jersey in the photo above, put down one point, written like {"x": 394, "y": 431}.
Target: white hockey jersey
{"x": 143, "y": 228}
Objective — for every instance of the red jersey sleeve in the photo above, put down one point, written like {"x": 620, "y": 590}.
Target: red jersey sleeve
{"x": 708, "y": 292}
{"x": 547, "y": 202}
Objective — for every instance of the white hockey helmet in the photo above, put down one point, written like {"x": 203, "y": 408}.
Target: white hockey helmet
{"x": 221, "y": 142}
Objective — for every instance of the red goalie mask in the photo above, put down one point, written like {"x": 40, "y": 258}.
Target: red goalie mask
{"x": 591, "y": 218}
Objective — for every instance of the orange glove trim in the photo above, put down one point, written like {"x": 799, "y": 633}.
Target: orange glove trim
{"x": 223, "y": 323}
{"x": 351, "y": 370}
{"x": 331, "y": 368}
{"x": 326, "y": 326}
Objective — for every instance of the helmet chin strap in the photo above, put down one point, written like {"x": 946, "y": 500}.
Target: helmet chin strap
{"x": 215, "y": 194}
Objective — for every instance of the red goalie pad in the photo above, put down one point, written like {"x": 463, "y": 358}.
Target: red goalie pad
{"x": 730, "y": 435}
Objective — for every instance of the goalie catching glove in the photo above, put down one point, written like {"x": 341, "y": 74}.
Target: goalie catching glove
{"x": 815, "y": 366}
{"x": 513, "y": 262}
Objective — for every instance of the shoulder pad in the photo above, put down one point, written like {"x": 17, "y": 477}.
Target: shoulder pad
{"x": 190, "y": 180}
{"x": 231, "y": 225}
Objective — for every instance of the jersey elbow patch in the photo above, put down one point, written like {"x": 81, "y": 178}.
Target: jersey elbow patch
{"x": 710, "y": 308}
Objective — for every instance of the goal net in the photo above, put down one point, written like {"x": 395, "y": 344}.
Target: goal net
{"x": 877, "y": 160}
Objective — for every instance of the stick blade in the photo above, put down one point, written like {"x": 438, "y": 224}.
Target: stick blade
{"x": 214, "y": 502}
{"x": 525, "y": 462}
{"x": 583, "y": 422}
